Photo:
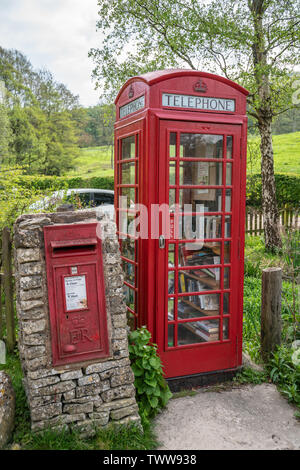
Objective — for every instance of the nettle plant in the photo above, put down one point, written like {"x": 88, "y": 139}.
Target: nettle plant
{"x": 152, "y": 391}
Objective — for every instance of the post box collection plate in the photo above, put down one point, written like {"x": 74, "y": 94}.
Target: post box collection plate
{"x": 76, "y": 293}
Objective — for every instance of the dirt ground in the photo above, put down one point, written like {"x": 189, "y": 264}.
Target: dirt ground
{"x": 244, "y": 417}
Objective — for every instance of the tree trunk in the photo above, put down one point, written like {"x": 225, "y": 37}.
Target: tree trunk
{"x": 265, "y": 115}
{"x": 269, "y": 202}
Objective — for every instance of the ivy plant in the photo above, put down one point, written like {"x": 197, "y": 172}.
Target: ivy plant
{"x": 152, "y": 391}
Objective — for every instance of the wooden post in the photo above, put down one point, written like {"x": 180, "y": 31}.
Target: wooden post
{"x": 270, "y": 311}
{"x": 8, "y": 289}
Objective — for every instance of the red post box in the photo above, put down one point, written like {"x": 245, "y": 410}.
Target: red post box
{"x": 180, "y": 143}
{"x": 76, "y": 293}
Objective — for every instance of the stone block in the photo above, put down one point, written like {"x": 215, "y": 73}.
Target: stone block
{"x": 73, "y": 408}
{"x": 122, "y": 376}
{"x": 30, "y": 282}
{"x": 116, "y": 415}
{"x": 30, "y": 327}
{"x": 89, "y": 379}
{"x": 45, "y": 412}
{"x": 27, "y": 255}
{"x": 72, "y": 374}
{"x": 34, "y": 352}
{"x": 124, "y": 391}
{"x": 55, "y": 389}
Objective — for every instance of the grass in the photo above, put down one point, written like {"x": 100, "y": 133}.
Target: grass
{"x": 96, "y": 161}
{"x": 109, "y": 438}
{"x": 286, "y": 154}
{"x": 256, "y": 259}
{"x": 93, "y": 161}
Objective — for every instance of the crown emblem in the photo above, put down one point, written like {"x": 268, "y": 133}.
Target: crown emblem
{"x": 131, "y": 92}
{"x": 200, "y": 86}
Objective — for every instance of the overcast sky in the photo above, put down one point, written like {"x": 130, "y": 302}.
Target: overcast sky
{"x": 56, "y": 35}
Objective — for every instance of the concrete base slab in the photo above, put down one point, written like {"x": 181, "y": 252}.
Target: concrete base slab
{"x": 248, "y": 417}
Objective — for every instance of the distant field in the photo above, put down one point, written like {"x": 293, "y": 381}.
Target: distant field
{"x": 96, "y": 161}
{"x": 93, "y": 161}
{"x": 286, "y": 154}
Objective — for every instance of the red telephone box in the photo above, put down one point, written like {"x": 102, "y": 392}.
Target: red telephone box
{"x": 180, "y": 143}
{"x": 76, "y": 293}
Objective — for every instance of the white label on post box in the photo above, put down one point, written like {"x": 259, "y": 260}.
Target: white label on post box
{"x": 75, "y": 291}
{"x": 173, "y": 100}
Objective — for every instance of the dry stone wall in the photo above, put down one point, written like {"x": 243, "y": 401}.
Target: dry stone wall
{"x": 84, "y": 395}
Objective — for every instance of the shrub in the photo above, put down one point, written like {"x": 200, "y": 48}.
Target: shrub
{"x": 287, "y": 189}
{"x": 152, "y": 391}
{"x": 39, "y": 182}
{"x": 286, "y": 373}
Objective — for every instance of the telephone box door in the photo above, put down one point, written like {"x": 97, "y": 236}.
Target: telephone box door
{"x": 199, "y": 304}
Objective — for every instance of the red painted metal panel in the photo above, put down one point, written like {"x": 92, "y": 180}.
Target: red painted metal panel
{"x": 76, "y": 293}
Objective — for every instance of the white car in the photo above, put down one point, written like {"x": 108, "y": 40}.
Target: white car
{"x": 88, "y": 197}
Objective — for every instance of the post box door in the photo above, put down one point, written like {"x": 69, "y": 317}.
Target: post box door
{"x": 76, "y": 293}
{"x": 199, "y": 282}
{"x": 77, "y": 301}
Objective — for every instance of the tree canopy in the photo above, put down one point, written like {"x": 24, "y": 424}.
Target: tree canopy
{"x": 253, "y": 42}
{"x": 36, "y": 114}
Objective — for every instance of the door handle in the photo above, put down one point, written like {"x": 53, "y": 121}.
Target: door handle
{"x": 162, "y": 242}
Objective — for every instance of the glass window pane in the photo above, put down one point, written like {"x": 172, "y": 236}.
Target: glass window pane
{"x": 226, "y": 278}
{"x": 199, "y": 280}
{"x": 127, "y": 247}
{"x": 201, "y": 200}
{"x": 129, "y": 272}
{"x": 227, "y": 228}
{"x": 172, "y": 146}
{"x": 171, "y": 282}
{"x": 201, "y": 146}
{"x": 227, "y": 248}
{"x": 228, "y": 200}
{"x": 129, "y": 297}
{"x": 228, "y": 174}
{"x": 197, "y": 254}
{"x": 170, "y": 336}
{"x": 128, "y": 193}
{"x": 171, "y": 256}
{"x": 172, "y": 174}
{"x": 200, "y": 227}
{"x": 172, "y": 200}
{"x": 225, "y": 328}
{"x": 200, "y": 173}
{"x": 171, "y": 303}
{"x": 128, "y": 147}
{"x": 198, "y": 332}
{"x": 229, "y": 146}
{"x": 226, "y": 305}
{"x": 198, "y": 306}
{"x": 128, "y": 173}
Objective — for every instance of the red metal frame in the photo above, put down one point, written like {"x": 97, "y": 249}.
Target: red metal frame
{"x": 153, "y": 125}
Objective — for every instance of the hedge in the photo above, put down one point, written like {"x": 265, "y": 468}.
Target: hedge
{"x": 287, "y": 190}
{"x": 40, "y": 182}
{"x": 287, "y": 186}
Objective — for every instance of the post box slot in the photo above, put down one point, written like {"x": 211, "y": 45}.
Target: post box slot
{"x": 73, "y": 247}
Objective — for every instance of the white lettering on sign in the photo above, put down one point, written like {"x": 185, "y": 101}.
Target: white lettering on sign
{"x": 198, "y": 102}
{"x": 75, "y": 290}
{"x": 133, "y": 106}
